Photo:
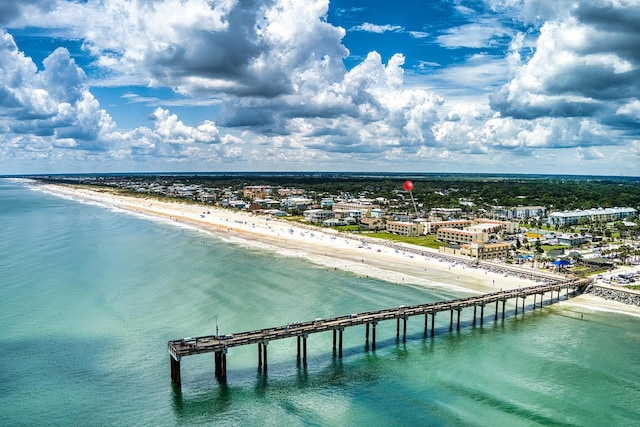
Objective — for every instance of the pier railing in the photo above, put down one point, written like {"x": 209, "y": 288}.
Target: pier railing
{"x": 219, "y": 344}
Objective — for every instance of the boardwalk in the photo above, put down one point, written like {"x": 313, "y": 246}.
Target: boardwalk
{"x": 219, "y": 345}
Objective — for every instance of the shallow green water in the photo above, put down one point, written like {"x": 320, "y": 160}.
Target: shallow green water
{"x": 89, "y": 298}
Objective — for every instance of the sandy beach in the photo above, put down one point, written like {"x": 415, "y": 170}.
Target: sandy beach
{"x": 395, "y": 263}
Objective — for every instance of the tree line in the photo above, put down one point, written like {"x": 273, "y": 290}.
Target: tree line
{"x": 484, "y": 191}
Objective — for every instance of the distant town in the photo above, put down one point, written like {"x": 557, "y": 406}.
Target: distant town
{"x": 583, "y": 241}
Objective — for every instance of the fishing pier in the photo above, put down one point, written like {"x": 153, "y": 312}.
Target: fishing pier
{"x": 220, "y": 344}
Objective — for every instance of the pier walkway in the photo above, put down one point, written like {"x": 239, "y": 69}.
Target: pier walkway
{"x": 219, "y": 344}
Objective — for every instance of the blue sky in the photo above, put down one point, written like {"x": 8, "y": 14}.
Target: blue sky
{"x": 514, "y": 86}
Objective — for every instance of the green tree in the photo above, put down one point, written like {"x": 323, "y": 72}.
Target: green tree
{"x": 538, "y": 247}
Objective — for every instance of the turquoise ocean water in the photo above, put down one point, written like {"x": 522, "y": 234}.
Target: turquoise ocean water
{"x": 89, "y": 297}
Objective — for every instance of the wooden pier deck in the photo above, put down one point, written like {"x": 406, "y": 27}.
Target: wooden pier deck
{"x": 219, "y": 344}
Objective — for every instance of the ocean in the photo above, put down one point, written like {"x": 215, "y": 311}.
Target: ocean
{"x": 90, "y": 295}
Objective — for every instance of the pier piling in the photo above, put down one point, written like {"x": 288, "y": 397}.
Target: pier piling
{"x": 262, "y": 356}
{"x": 366, "y": 336}
{"x": 304, "y": 350}
{"x": 175, "y": 370}
{"x": 373, "y": 333}
{"x": 334, "y": 342}
{"x": 474, "y": 314}
{"x": 404, "y": 330}
{"x": 433, "y": 321}
{"x": 426, "y": 324}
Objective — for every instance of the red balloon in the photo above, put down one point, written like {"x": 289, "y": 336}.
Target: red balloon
{"x": 408, "y": 185}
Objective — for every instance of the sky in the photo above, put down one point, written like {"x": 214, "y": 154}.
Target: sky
{"x": 487, "y": 86}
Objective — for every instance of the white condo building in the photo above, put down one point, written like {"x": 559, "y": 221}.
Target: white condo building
{"x": 590, "y": 215}
{"x": 521, "y": 212}
{"x": 354, "y": 209}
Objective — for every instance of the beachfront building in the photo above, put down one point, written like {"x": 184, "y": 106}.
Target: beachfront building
{"x": 274, "y": 212}
{"x": 482, "y": 250}
{"x": 590, "y": 215}
{"x": 353, "y": 208}
{"x": 317, "y": 215}
{"x": 237, "y": 204}
{"x": 405, "y": 228}
{"x": 335, "y": 222}
{"x": 431, "y": 227}
{"x": 454, "y": 235}
{"x": 372, "y": 223}
{"x": 295, "y": 203}
{"x": 207, "y": 198}
{"x": 521, "y": 212}
{"x": 479, "y": 250}
{"x": 267, "y": 203}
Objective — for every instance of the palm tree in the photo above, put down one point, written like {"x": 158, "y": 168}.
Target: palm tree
{"x": 624, "y": 253}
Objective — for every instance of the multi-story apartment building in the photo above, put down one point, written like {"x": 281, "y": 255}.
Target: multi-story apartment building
{"x": 479, "y": 250}
{"x": 432, "y": 227}
{"x": 268, "y": 203}
{"x": 298, "y": 203}
{"x": 317, "y": 215}
{"x": 521, "y": 212}
{"x": 404, "y": 228}
{"x": 353, "y": 208}
{"x": 488, "y": 225}
{"x": 284, "y": 192}
{"x": 453, "y": 235}
{"x": 590, "y": 215}
{"x": 257, "y": 191}
{"x": 496, "y": 225}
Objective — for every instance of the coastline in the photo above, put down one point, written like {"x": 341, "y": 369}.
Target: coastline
{"x": 595, "y": 303}
{"x": 394, "y": 263}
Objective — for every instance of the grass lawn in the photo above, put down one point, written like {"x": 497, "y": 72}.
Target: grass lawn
{"x": 426, "y": 241}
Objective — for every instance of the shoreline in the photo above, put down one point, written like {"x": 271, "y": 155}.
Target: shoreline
{"x": 387, "y": 261}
